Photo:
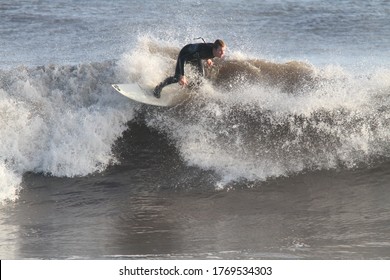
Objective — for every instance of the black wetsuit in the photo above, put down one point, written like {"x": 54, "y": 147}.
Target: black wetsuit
{"x": 193, "y": 54}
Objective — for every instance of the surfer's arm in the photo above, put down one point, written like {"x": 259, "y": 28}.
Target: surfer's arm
{"x": 181, "y": 60}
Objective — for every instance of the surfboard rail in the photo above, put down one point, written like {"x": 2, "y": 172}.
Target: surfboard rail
{"x": 171, "y": 95}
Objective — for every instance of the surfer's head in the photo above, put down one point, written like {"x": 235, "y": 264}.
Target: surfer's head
{"x": 219, "y": 48}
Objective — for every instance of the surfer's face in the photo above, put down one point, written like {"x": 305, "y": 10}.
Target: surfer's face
{"x": 220, "y": 52}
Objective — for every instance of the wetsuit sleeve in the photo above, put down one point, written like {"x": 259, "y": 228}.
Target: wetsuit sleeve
{"x": 180, "y": 66}
{"x": 183, "y": 57}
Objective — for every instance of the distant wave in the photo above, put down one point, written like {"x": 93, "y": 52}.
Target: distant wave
{"x": 252, "y": 119}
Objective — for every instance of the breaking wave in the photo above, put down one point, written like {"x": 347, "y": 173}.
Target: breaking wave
{"x": 252, "y": 119}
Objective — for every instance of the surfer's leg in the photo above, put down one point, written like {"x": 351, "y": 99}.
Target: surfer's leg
{"x": 159, "y": 87}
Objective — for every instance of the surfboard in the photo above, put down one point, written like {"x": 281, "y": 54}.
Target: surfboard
{"x": 171, "y": 95}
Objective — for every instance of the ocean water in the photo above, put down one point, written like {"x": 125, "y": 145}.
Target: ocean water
{"x": 283, "y": 153}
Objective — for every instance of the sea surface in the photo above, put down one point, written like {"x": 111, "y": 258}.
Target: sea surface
{"x": 282, "y": 153}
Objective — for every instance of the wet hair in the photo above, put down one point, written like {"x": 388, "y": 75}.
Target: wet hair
{"x": 218, "y": 43}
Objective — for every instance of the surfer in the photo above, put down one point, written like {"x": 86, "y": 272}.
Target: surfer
{"x": 193, "y": 54}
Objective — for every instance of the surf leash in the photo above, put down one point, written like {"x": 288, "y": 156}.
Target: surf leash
{"x": 200, "y": 38}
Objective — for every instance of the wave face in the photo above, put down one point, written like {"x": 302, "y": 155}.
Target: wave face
{"x": 250, "y": 120}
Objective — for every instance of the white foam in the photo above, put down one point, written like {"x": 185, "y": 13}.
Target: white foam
{"x": 58, "y": 120}
{"x": 9, "y": 184}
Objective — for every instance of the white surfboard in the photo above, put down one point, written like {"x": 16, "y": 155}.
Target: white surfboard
{"x": 171, "y": 95}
